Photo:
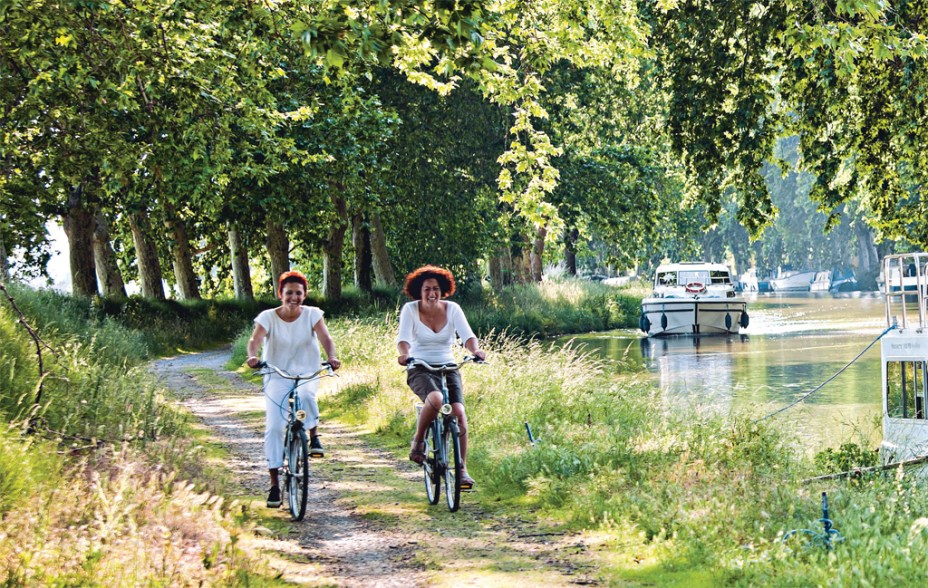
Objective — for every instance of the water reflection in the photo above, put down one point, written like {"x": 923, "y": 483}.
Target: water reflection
{"x": 793, "y": 344}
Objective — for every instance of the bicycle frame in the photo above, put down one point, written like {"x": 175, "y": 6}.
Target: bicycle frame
{"x": 443, "y": 433}
{"x": 295, "y": 467}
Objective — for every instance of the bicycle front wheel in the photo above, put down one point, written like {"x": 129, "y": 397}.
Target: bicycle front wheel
{"x": 298, "y": 476}
{"x": 432, "y": 464}
{"x": 454, "y": 468}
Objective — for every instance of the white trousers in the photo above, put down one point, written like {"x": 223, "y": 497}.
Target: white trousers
{"x": 276, "y": 390}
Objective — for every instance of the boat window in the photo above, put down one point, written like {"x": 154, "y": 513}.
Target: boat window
{"x": 720, "y": 277}
{"x": 905, "y": 389}
{"x": 693, "y": 276}
{"x": 667, "y": 279}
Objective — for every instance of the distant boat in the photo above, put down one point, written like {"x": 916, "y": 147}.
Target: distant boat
{"x": 693, "y": 298}
{"x": 843, "y": 281}
{"x": 903, "y": 275}
{"x": 747, "y": 282}
{"x": 821, "y": 282}
{"x": 793, "y": 281}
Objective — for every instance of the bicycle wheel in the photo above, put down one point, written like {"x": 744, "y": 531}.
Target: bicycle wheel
{"x": 298, "y": 476}
{"x": 431, "y": 465}
{"x": 453, "y": 469}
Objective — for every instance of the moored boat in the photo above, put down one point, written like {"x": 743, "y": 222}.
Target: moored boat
{"x": 904, "y": 355}
{"x": 693, "y": 298}
{"x": 792, "y": 281}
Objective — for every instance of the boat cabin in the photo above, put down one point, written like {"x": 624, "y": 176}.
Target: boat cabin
{"x": 905, "y": 358}
{"x": 693, "y": 277}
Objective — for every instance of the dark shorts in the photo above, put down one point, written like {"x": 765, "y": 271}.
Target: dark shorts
{"x": 423, "y": 381}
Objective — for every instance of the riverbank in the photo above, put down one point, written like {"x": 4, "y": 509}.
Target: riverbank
{"x": 667, "y": 498}
{"x": 142, "y": 502}
{"x": 657, "y": 499}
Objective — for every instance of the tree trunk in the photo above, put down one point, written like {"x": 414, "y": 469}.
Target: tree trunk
{"x": 146, "y": 256}
{"x": 334, "y": 246}
{"x": 522, "y": 266}
{"x": 380, "y": 257}
{"x": 570, "y": 251}
{"x": 868, "y": 257}
{"x": 537, "y": 257}
{"x": 241, "y": 273}
{"x": 187, "y": 285}
{"x": 78, "y": 226}
{"x": 111, "y": 282}
{"x": 361, "y": 240}
{"x": 869, "y": 260}
{"x": 278, "y": 249}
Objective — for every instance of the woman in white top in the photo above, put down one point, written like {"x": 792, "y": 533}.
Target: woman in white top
{"x": 428, "y": 326}
{"x": 291, "y": 334}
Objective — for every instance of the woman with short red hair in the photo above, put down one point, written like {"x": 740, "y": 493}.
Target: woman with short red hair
{"x": 428, "y": 329}
{"x": 291, "y": 335}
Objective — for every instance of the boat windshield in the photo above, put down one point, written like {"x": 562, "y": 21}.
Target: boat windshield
{"x": 720, "y": 277}
{"x": 705, "y": 277}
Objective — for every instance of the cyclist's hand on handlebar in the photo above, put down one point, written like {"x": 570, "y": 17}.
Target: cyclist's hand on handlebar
{"x": 253, "y": 362}
{"x": 481, "y": 355}
{"x": 403, "y": 359}
{"x": 334, "y": 363}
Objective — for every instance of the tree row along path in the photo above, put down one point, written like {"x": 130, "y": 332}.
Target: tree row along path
{"x": 368, "y": 522}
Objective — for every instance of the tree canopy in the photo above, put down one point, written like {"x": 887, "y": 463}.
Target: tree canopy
{"x": 201, "y": 129}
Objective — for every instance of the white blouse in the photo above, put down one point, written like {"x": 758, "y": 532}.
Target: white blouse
{"x": 293, "y": 347}
{"x": 426, "y": 344}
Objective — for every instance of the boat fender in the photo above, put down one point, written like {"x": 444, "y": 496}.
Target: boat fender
{"x": 745, "y": 319}
{"x": 663, "y": 321}
{"x": 728, "y": 321}
{"x": 644, "y": 323}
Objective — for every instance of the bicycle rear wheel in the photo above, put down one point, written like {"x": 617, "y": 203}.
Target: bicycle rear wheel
{"x": 431, "y": 465}
{"x": 298, "y": 476}
{"x": 454, "y": 467}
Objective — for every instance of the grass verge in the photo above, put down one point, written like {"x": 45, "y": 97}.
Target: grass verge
{"x": 667, "y": 498}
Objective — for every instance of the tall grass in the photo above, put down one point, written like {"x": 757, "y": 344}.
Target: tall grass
{"x": 92, "y": 495}
{"x": 552, "y": 308}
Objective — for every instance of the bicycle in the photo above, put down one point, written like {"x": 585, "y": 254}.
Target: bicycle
{"x": 443, "y": 441}
{"x": 295, "y": 468}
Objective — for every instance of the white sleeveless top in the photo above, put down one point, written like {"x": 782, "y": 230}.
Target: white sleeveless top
{"x": 293, "y": 347}
{"x": 426, "y": 344}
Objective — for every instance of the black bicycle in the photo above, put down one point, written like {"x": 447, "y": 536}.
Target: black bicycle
{"x": 442, "y": 461}
{"x": 295, "y": 471}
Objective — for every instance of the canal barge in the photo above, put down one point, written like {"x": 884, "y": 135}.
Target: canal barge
{"x": 693, "y": 298}
{"x": 904, "y": 358}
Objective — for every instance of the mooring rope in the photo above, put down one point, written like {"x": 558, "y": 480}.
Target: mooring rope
{"x": 823, "y": 384}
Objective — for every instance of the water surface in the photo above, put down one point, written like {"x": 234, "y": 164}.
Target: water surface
{"x": 794, "y": 343}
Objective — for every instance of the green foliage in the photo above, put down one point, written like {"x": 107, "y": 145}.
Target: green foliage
{"x": 846, "y": 458}
{"x": 553, "y": 308}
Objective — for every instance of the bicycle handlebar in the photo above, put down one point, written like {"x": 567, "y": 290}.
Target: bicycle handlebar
{"x": 325, "y": 372}
{"x": 412, "y": 362}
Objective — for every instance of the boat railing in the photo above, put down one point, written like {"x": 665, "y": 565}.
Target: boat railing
{"x": 905, "y": 280}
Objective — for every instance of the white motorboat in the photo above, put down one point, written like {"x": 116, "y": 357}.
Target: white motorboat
{"x": 905, "y": 360}
{"x": 792, "y": 281}
{"x": 693, "y": 298}
{"x": 903, "y": 273}
{"x": 821, "y": 282}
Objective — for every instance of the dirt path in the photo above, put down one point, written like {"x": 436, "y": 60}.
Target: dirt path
{"x": 367, "y": 524}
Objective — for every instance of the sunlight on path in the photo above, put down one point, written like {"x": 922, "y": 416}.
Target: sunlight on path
{"x": 368, "y": 523}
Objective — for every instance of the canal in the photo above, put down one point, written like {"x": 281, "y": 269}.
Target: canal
{"x": 793, "y": 344}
